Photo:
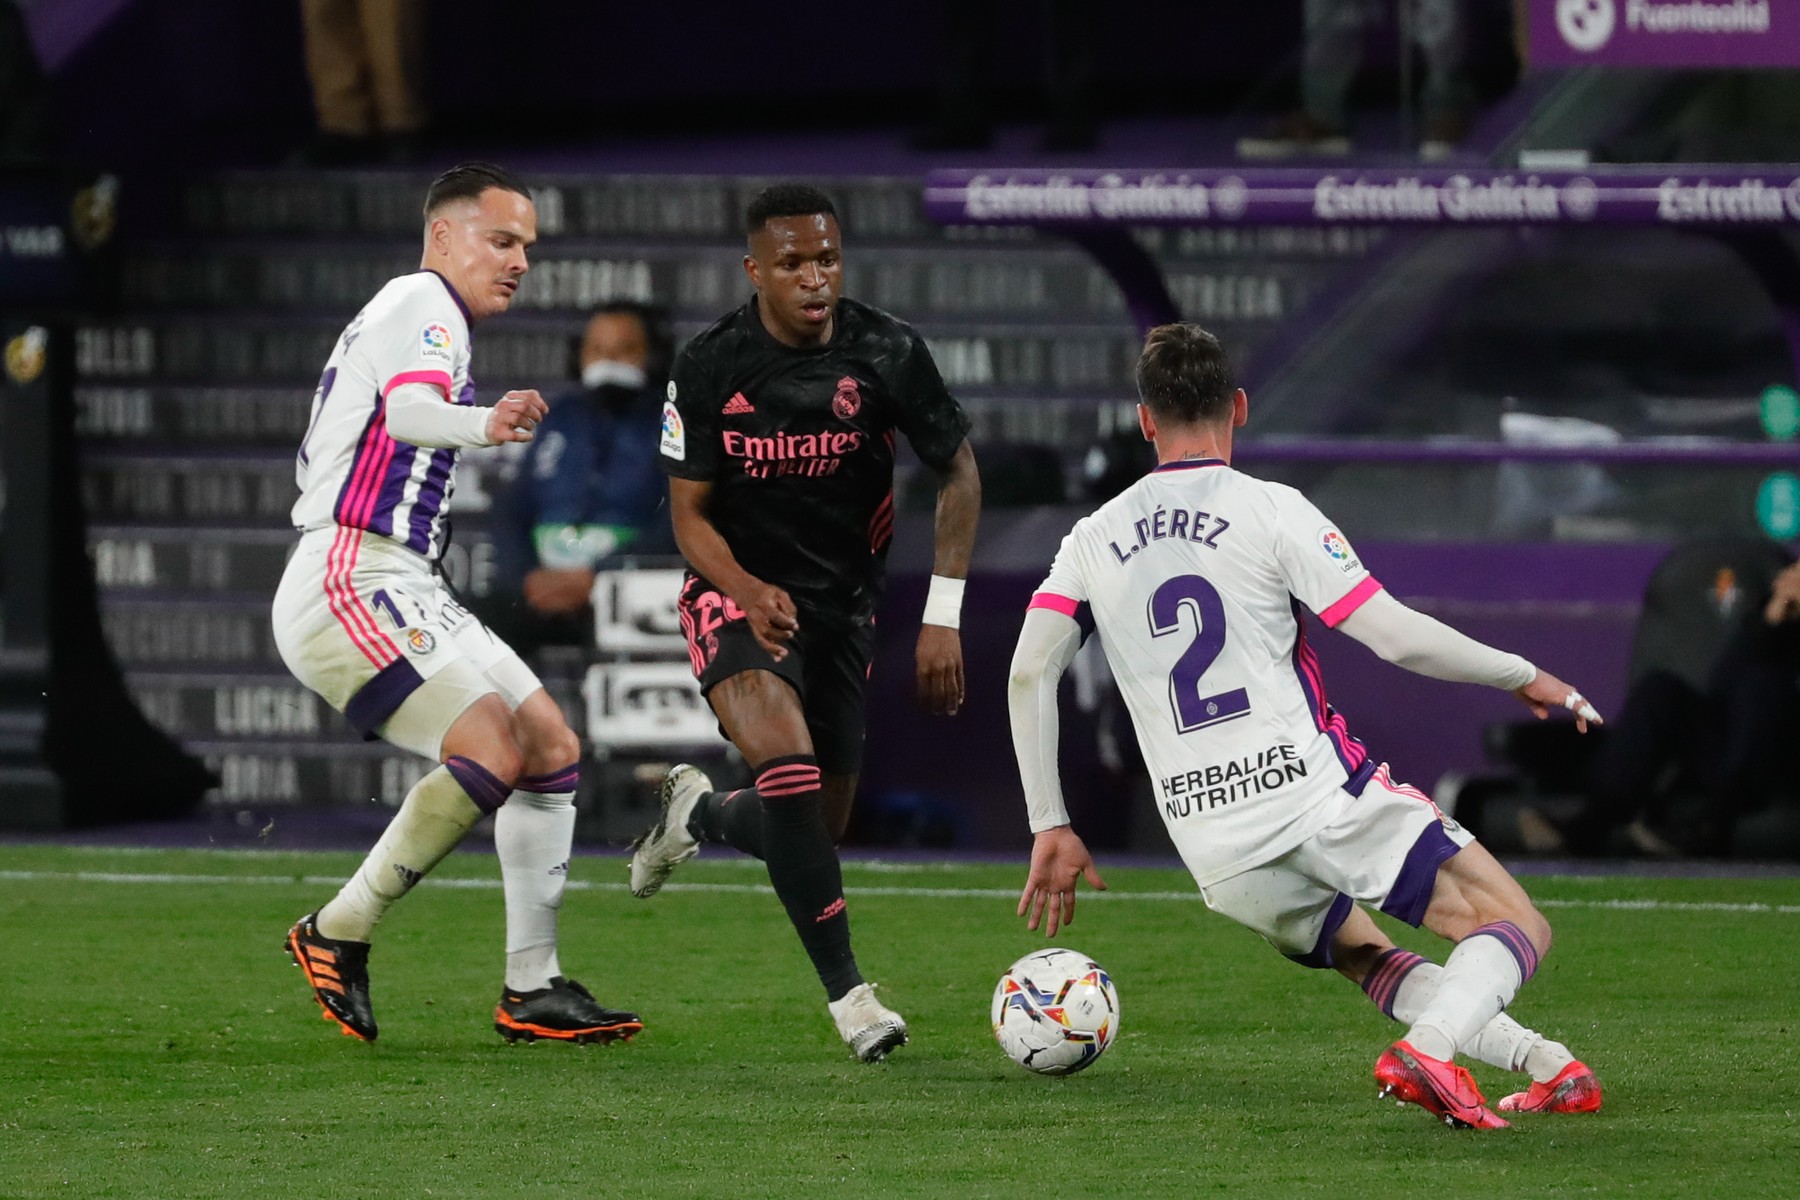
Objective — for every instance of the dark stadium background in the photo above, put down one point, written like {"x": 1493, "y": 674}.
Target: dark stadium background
{"x": 653, "y": 123}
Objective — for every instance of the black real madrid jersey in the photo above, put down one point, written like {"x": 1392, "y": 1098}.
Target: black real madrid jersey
{"x": 798, "y": 444}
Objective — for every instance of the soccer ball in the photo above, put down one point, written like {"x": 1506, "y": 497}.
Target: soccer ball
{"x": 1055, "y": 1011}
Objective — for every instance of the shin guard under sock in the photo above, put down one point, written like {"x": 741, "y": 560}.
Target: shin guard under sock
{"x": 803, "y": 867}
{"x": 435, "y": 815}
{"x": 734, "y": 818}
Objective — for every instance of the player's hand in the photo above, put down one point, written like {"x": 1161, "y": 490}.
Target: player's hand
{"x": 772, "y": 616}
{"x": 1547, "y": 692}
{"x": 558, "y": 590}
{"x": 1784, "y": 600}
{"x": 515, "y": 416}
{"x": 940, "y": 669}
{"x": 1058, "y": 859}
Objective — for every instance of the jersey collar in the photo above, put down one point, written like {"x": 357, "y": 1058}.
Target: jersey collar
{"x": 453, "y": 295}
{"x": 1188, "y": 464}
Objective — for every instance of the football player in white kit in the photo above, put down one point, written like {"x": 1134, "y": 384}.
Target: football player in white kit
{"x": 1194, "y": 578}
{"x": 363, "y": 618}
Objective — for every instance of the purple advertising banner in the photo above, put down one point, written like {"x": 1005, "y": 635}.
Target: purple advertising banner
{"x": 1665, "y": 33}
{"x": 1681, "y": 196}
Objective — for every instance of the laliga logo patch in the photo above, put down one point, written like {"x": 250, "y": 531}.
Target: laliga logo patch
{"x": 1333, "y": 543}
{"x": 420, "y": 641}
{"x": 1586, "y": 25}
{"x": 848, "y": 401}
{"x": 434, "y": 341}
{"x": 674, "y": 434}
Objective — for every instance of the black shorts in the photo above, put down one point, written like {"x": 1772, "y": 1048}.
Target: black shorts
{"x": 827, "y": 666}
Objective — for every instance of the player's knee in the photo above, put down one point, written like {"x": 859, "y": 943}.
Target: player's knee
{"x": 1536, "y": 926}
{"x": 554, "y": 748}
{"x": 499, "y": 754}
{"x": 505, "y": 760}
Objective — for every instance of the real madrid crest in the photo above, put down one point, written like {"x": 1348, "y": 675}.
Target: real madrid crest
{"x": 848, "y": 401}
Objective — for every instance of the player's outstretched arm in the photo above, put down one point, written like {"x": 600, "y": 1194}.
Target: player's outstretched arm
{"x": 939, "y": 659}
{"x": 769, "y": 609}
{"x": 1058, "y": 859}
{"x": 1408, "y": 638}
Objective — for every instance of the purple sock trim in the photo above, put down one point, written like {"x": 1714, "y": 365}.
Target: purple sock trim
{"x": 1410, "y": 895}
{"x": 1319, "y": 957}
{"x": 1382, "y": 984}
{"x": 483, "y": 788}
{"x": 1514, "y": 939}
{"x": 552, "y": 782}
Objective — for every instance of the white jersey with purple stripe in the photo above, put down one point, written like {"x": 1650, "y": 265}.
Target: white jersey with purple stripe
{"x": 1194, "y": 577}
{"x": 351, "y": 471}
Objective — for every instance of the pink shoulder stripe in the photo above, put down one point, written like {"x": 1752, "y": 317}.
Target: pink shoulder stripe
{"x": 1352, "y": 601}
{"x": 1051, "y": 600}
{"x": 437, "y": 379}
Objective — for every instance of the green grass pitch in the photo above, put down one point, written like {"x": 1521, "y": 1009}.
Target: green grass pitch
{"x": 155, "y": 1042}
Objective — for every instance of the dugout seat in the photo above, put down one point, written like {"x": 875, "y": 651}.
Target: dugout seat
{"x": 643, "y": 707}
{"x": 1700, "y": 597}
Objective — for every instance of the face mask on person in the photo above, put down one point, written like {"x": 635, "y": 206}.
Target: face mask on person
{"x": 605, "y": 372}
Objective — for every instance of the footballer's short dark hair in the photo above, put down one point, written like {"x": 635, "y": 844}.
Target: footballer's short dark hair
{"x": 467, "y": 182}
{"x": 1184, "y": 376}
{"x": 785, "y": 200}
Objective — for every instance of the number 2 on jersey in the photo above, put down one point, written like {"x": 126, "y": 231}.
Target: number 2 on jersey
{"x": 1193, "y": 710}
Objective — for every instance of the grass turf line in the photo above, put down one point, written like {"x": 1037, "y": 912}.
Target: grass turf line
{"x": 156, "y": 1042}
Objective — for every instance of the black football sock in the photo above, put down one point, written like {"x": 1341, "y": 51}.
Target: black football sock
{"x": 803, "y": 867}
{"x": 734, "y": 818}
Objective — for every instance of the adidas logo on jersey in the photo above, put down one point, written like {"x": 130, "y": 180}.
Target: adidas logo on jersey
{"x": 737, "y": 406}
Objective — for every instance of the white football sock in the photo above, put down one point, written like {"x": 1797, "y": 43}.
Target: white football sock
{"x": 1479, "y": 979}
{"x": 533, "y": 833}
{"x": 431, "y": 821}
{"x": 1546, "y": 1059}
{"x": 1502, "y": 1042}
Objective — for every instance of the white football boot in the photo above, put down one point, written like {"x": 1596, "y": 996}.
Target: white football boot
{"x": 667, "y": 844}
{"x": 867, "y": 1027}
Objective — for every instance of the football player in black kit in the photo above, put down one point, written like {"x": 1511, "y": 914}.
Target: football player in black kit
{"x": 778, "y": 440}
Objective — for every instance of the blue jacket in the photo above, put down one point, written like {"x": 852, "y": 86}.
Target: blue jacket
{"x": 588, "y": 489}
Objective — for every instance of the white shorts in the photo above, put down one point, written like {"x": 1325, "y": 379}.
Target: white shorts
{"x": 365, "y": 624}
{"x": 1384, "y": 847}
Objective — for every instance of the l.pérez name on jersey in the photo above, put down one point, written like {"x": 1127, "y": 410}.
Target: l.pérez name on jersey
{"x": 1183, "y": 524}
{"x": 1207, "y": 788}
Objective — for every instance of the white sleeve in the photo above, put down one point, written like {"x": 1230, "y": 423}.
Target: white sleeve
{"x": 419, "y": 413}
{"x": 1315, "y": 559}
{"x": 1047, "y": 644}
{"x": 1408, "y": 638}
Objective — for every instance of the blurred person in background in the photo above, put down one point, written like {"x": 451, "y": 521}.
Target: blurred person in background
{"x": 1336, "y": 42}
{"x": 969, "y": 35}
{"x": 1708, "y": 716}
{"x": 588, "y": 491}
{"x": 366, "y": 62}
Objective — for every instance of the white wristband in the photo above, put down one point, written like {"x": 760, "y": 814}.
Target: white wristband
{"x": 943, "y": 603}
